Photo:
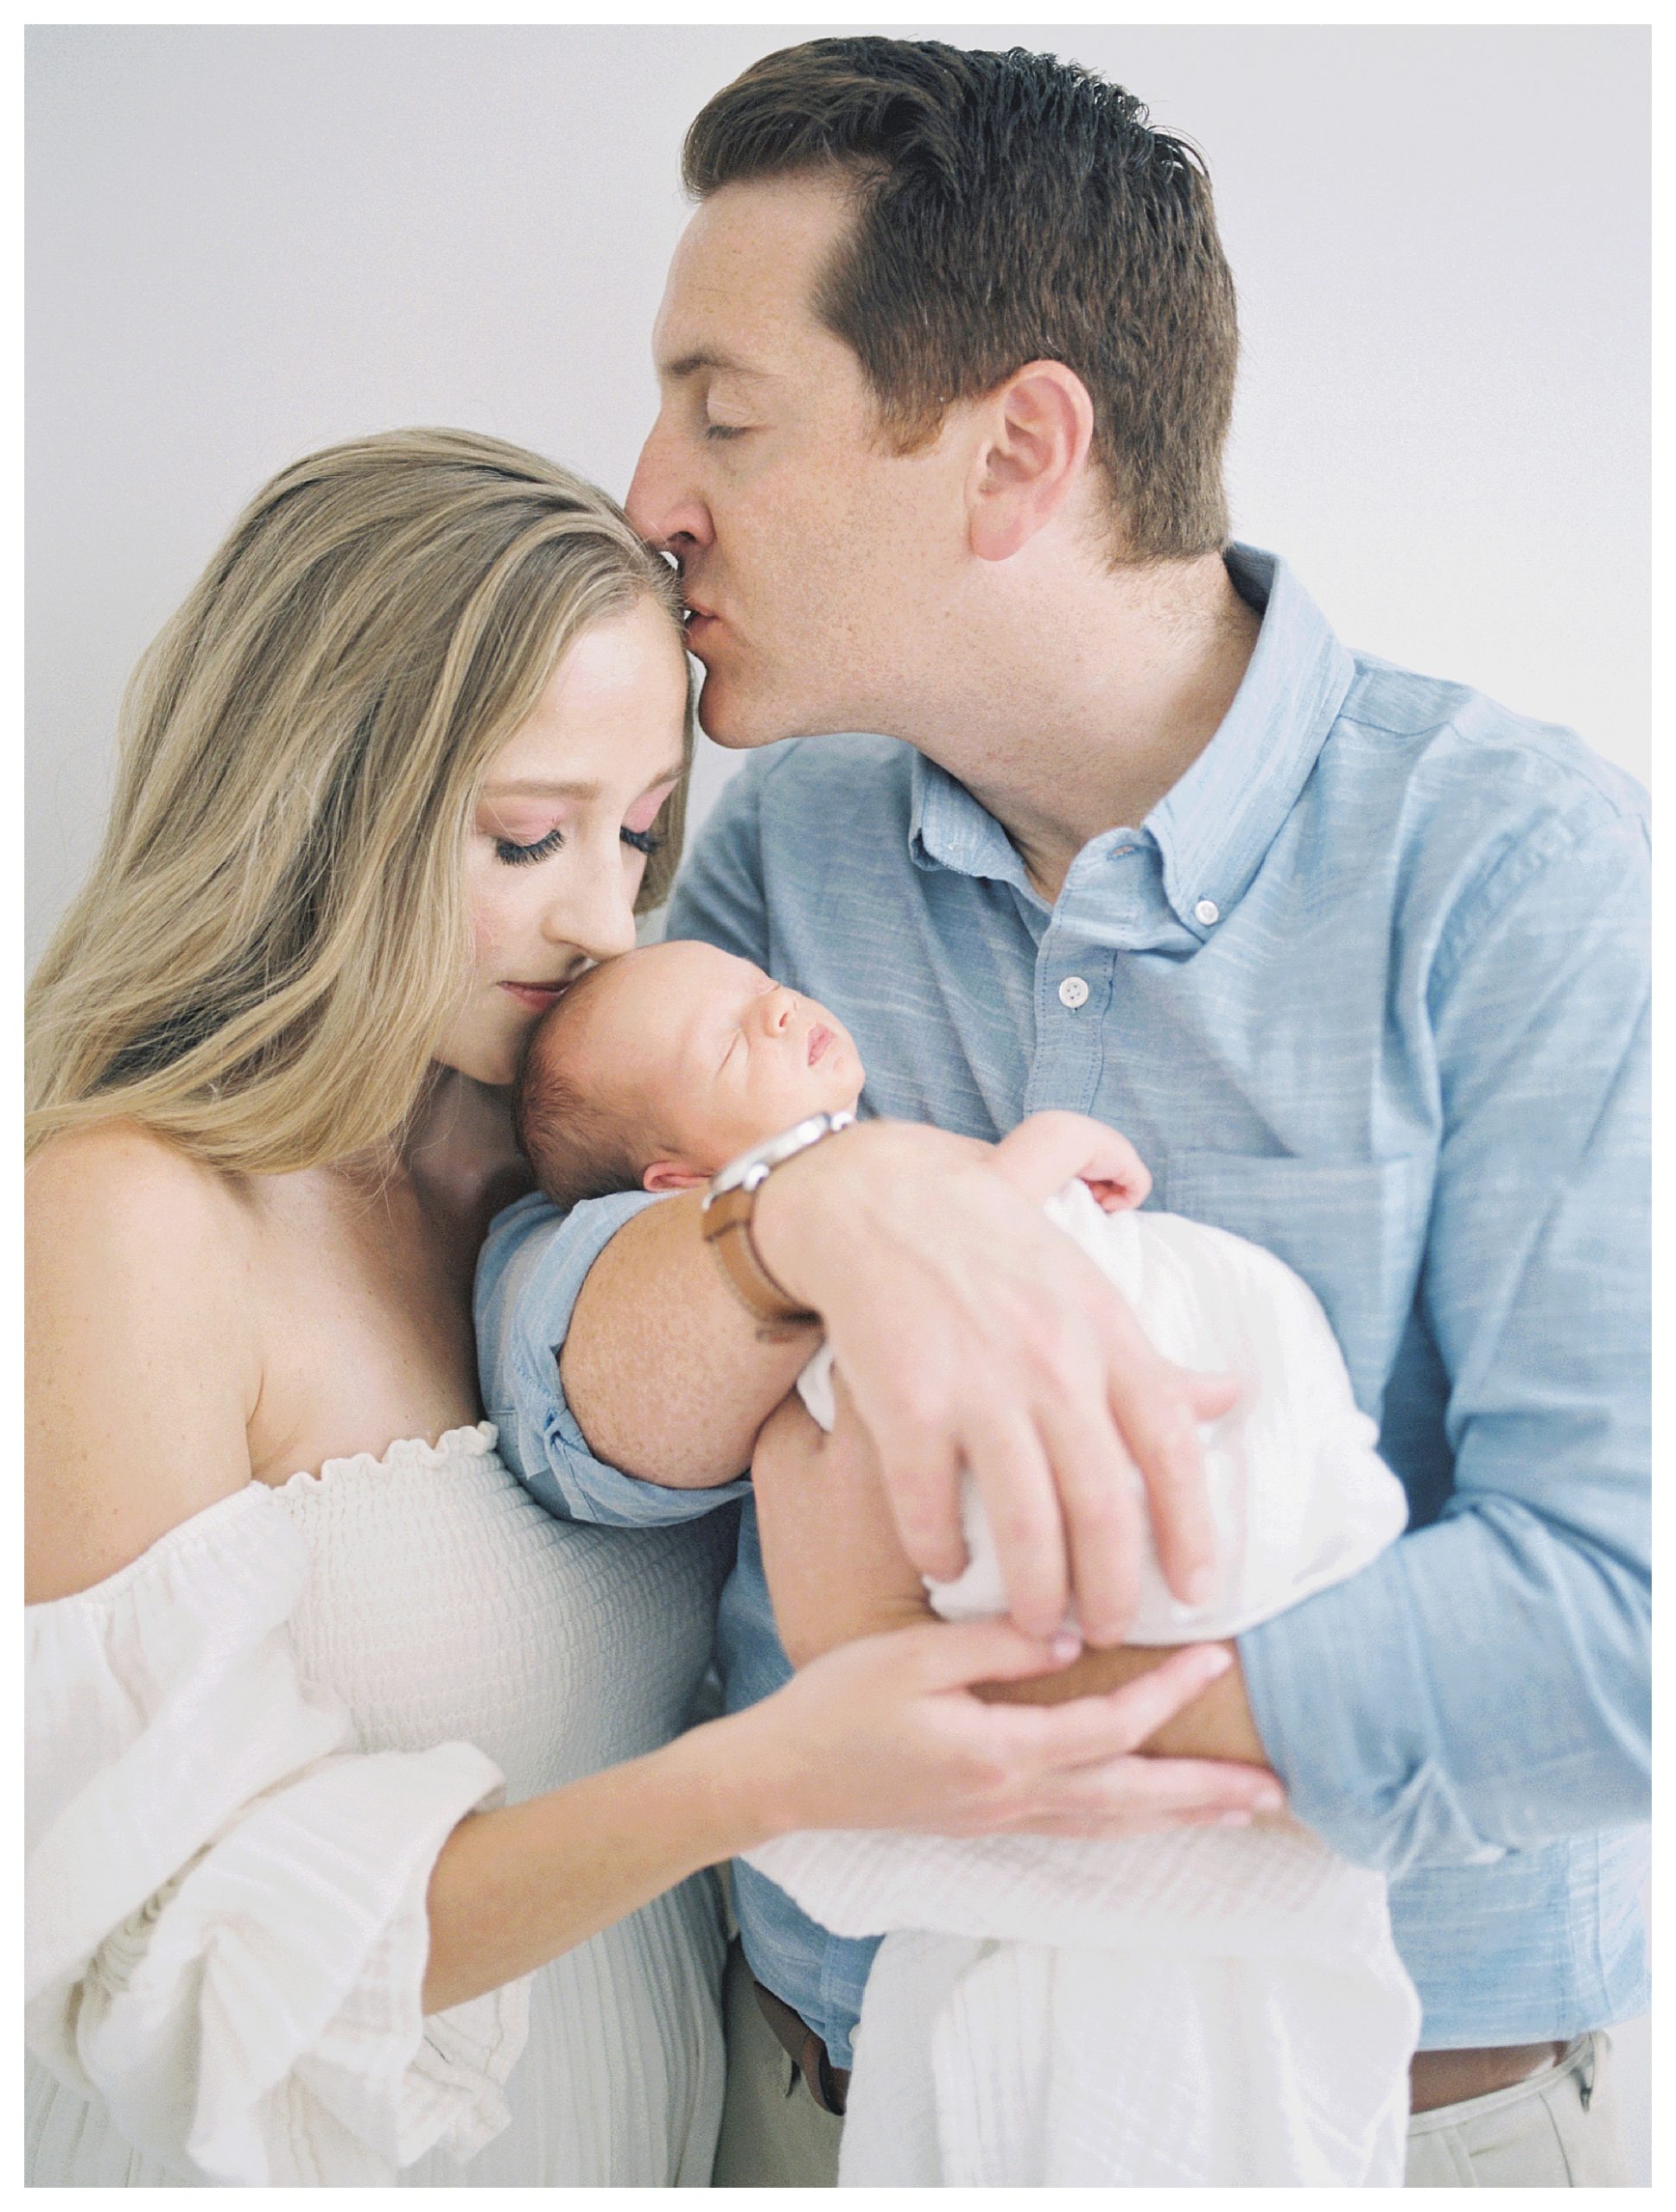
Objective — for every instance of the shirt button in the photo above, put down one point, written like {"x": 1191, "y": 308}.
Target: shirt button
{"x": 1207, "y": 911}
{"x": 1073, "y": 992}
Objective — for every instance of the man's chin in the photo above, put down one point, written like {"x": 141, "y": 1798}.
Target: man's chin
{"x": 727, "y": 720}
{"x": 731, "y": 718}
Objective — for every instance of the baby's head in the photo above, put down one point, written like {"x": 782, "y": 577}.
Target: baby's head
{"x": 655, "y": 1069}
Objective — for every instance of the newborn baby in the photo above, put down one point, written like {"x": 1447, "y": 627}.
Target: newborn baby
{"x": 655, "y": 1069}
{"x": 1198, "y": 2007}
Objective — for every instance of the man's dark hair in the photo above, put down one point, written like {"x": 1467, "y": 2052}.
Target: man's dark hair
{"x": 1011, "y": 207}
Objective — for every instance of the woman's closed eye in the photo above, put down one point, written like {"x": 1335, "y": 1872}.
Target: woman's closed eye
{"x": 516, "y": 855}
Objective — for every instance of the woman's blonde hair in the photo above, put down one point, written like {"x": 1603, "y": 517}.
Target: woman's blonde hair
{"x": 274, "y": 938}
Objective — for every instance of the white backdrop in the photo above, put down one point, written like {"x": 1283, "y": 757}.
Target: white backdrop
{"x": 246, "y": 243}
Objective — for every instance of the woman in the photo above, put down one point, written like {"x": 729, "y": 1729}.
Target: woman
{"x": 353, "y": 1776}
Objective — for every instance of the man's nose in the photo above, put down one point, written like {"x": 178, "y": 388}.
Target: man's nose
{"x": 661, "y": 504}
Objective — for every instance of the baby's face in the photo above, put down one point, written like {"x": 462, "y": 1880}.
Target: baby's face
{"x": 707, "y": 1055}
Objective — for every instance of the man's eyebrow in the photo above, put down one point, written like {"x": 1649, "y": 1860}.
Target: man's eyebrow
{"x": 695, "y": 363}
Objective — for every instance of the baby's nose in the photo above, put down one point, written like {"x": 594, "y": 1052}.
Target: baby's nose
{"x": 782, "y": 1005}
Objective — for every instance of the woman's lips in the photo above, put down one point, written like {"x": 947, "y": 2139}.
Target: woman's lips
{"x": 537, "y": 996}
{"x": 819, "y": 1039}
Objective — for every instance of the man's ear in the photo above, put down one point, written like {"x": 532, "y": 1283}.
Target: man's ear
{"x": 1039, "y": 426}
{"x": 671, "y": 1175}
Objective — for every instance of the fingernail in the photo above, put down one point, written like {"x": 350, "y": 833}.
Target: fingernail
{"x": 1216, "y": 1662}
{"x": 1235, "y": 1821}
{"x": 1269, "y": 1801}
{"x": 1064, "y": 1647}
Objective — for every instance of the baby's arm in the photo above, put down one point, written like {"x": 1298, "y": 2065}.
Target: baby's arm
{"x": 1047, "y": 1151}
{"x": 836, "y": 1569}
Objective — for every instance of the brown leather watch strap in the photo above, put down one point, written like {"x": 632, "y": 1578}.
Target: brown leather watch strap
{"x": 727, "y": 1224}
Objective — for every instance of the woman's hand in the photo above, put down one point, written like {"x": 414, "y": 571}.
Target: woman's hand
{"x": 886, "y": 1733}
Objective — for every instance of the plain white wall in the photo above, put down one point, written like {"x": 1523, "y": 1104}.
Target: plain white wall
{"x": 246, "y": 243}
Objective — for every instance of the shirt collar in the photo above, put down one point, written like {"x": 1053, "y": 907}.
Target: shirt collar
{"x": 1213, "y": 827}
{"x": 948, "y": 828}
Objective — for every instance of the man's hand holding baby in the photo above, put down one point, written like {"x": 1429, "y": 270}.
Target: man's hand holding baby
{"x": 974, "y": 1334}
{"x": 838, "y": 1575}
{"x": 972, "y": 1331}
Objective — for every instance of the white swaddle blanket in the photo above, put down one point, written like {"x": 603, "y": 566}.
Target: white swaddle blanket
{"x": 1204, "y": 2007}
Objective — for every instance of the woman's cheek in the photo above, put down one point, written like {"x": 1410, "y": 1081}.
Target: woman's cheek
{"x": 488, "y": 917}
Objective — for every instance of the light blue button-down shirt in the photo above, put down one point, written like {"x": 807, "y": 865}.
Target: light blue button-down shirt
{"x": 1368, "y": 987}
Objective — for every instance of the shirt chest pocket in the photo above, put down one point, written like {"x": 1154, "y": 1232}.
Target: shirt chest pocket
{"x": 1354, "y": 1230}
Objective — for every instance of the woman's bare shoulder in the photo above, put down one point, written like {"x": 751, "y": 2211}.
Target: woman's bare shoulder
{"x": 141, "y": 1349}
{"x": 123, "y": 1179}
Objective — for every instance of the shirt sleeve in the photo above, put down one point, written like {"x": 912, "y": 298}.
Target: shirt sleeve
{"x": 529, "y": 1278}
{"x": 1484, "y": 1685}
{"x": 226, "y": 1924}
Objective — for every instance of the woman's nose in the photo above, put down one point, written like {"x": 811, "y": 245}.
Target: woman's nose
{"x": 599, "y": 923}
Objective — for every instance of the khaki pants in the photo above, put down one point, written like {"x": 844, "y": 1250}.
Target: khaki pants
{"x": 1559, "y": 2130}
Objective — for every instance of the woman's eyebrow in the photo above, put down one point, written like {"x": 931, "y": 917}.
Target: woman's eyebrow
{"x": 545, "y": 787}
{"x": 540, "y": 787}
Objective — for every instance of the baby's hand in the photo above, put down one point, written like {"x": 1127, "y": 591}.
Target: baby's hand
{"x": 1047, "y": 1151}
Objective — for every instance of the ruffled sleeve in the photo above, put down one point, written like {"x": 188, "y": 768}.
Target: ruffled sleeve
{"x": 227, "y": 1928}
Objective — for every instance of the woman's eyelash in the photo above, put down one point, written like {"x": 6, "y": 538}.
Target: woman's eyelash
{"x": 517, "y": 855}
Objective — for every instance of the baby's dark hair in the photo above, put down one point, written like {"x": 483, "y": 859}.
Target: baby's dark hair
{"x": 578, "y": 1148}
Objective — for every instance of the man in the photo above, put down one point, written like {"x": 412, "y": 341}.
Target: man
{"x": 1356, "y": 959}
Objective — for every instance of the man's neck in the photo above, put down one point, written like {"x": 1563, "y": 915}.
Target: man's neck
{"x": 1080, "y": 722}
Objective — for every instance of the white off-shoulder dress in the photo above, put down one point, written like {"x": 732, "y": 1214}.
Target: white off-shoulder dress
{"x": 245, "y": 1750}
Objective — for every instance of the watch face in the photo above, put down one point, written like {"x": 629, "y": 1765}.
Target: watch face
{"x": 749, "y": 1169}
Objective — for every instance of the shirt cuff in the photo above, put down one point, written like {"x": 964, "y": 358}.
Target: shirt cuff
{"x": 1340, "y": 1690}
{"x": 533, "y": 1264}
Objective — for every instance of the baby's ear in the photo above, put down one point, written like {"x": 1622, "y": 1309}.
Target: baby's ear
{"x": 671, "y": 1175}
